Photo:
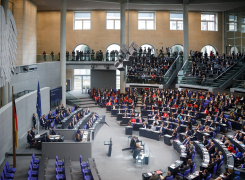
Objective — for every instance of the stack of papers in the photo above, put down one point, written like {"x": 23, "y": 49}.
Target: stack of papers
{"x": 204, "y": 164}
{"x": 149, "y": 174}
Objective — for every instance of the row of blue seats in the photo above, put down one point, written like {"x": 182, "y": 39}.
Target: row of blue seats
{"x": 60, "y": 169}
{"x": 8, "y": 173}
{"x": 85, "y": 169}
{"x": 33, "y": 168}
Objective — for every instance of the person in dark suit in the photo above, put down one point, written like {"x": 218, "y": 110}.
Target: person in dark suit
{"x": 240, "y": 138}
{"x": 43, "y": 122}
{"x": 189, "y": 154}
{"x": 53, "y": 131}
{"x": 34, "y": 120}
{"x": 216, "y": 152}
{"x": 236, "y": 134}
{"x": 194, "y": 135}
{"x": 177, "y": 128}
{"x": 31, "y": 139}
{"x": 48, "y": 138}
{"x": 222, "y": 139}
{"x": 211, "y": 148}
{"x": 205, "y": 174}
{"x": 204, "y": 141}
{"x": 32, "y": 132}
{"x": 136, "y": 152}
{"x": 50, "y": 115}
{"x": 182, "y": 170}
{"x": 209, "y": 143}
{"x": 133, "y": 142}
{"x": 174, "y": 134}
{"x": 57, "y": 111}
{"x": 211, "y": 166}
{"x": 69, "y": 126}
{"x": 217, "y": 160}
{"x": 188, "y": 132}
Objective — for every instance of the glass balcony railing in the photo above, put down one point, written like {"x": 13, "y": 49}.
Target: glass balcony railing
{"x": 90, "y": 57}
{"x": 22, "y": 93}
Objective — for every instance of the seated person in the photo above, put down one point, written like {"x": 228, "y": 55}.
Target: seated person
{"x": 239, "y": 161}
{"x": 211, "y": 166}
{"x": 204, "y": 140}
{"x": 129, "y": 123}
{"x": 194, "y": 135}
{"x": 154, "y": 176}
{"x": 133, "y": 142}
{"x": 144, "y": 125}
{"x": 167, "y": 176}
{"x": 211, "y": 148}
{"x": 216, "y": 152}
{"x": 153, "y": 128}
{"x": 205, "y": 174}
{"x": 174, "y": 134}
{"x": 53, "y": 131}
{"x": 240, "y": 138}
{"x": 238, "y": 154}
{"x": 78, "y": 139}
{"x": 222, "y": 139}
{"x": 182, "y": 170}
{"x": 230, "y": 148}
{"x": 30, "y": 139}
{"x": 48, "y": 138}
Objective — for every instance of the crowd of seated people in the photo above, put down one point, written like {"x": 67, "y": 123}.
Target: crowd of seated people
{"x": 105, "y": 97}
{"x": 149, "y": 68}
{"x": 204, "y": 67}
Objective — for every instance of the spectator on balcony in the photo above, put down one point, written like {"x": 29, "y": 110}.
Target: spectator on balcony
{"x": 52, "y": 55}
{"x": 44, "y": 55}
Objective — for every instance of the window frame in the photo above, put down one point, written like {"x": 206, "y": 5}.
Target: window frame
{"x": 114, "y": 20}
{"x": 234, "y": 23}
{"x": 82, "y": 20}
{"x": 154, "y": 20}
{"x": 176, "y": 21}
{"x": 215, "y": 21}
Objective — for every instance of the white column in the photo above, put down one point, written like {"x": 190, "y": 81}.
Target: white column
{"x": 122, "y": 41}
{"x": 63, "y": 50}
{"x": 185, "y": 30}
{"x": 5, "y": 89}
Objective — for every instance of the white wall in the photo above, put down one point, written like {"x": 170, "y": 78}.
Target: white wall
{"x": 25, "y": 107}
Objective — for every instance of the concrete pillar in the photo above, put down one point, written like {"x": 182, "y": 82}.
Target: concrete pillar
{"x": 63, "y": 50}
{"x": 185, "y": 30}
{"x": 5, "y": 4}
{"x": 122, "y": 41}
{"x": 5, "y": 89}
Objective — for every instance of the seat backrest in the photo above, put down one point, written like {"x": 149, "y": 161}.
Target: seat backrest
{"x": 4, "y": 170}
{"x": 220, "y": 164}
{"x": 193, "y": 168}
{"x": 192, "y": 157}
{"x": 169, "y": 178}
{"x": 208, "y": 178}
{"x": 187, "y": 172}
{"x": 80, "y": 159}
{"x": 57, "y": 159}
{"x": 2, "y": 176}
{"x": 215, "y": 169}
{"x": 7, "y": 165}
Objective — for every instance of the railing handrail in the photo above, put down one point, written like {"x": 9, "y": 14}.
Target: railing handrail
{"x": 229, "y": 68}
{"x": 171, "y": 66}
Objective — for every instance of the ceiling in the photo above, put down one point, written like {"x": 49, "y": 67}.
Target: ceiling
{"x": 169, "y": 5}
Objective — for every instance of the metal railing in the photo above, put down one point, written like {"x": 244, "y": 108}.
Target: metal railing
{"x": 177, "y": 62}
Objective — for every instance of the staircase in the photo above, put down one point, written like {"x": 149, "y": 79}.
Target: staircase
{"x": 229, "y": 73}
{"x": 83, "y": 100}
{"x": 239, "y": 81}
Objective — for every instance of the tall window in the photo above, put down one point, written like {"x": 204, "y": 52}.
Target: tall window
{"x": 146, "y": 20}
{"x": 176, "y": 21}
{"x": 113, "y": 20}
{"x": 209, "y": 22}
{"x": 232, "y": 23}
{"x": 117, "y": 79}
{"x": 82, "y": 79}
{"x": 243, "y": 25}
{"x": 82, "y": 20}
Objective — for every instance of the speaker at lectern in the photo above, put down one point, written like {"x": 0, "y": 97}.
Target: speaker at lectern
{"x": 110, "y": 146}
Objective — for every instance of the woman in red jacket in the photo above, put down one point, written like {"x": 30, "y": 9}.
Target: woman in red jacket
{"x": 230, "y": 148}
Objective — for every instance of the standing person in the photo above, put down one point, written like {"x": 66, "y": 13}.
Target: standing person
{"x": 67, "y": 55}
{"x": 73, "y": 55}
{"x": 34, "y": 120}
{"x": 59, "y": 56}
{"x": 52, "y": 55}
{"x": 44, "y": 55}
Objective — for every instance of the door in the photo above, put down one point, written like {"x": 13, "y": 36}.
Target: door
{"x": 77, "y": 82}
{"x": 86, "y": 84}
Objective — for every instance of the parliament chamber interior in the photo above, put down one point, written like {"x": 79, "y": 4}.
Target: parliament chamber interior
{"x": 122, "y": 89}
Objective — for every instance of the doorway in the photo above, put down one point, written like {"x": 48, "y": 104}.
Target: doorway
{"x": 82, "y": 83}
